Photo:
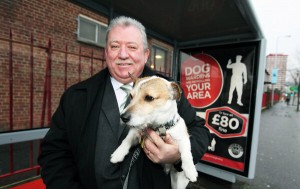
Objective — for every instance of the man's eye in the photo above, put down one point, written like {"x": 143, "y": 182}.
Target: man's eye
{"x": 114, "y": 47}
{"x": 149, "y": 98}
{"x": 132, "y": 47}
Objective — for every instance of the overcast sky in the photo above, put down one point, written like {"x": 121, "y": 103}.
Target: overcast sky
{"x": 278, "y": 19}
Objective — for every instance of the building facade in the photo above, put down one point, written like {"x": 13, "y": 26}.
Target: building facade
{"x": 47, "y": 46}
{"x": 277, "y": 61}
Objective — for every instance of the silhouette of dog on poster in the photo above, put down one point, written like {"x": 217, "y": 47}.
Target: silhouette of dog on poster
{"x": 238, "y": 78}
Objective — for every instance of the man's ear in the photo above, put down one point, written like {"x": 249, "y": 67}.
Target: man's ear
{"x": 176, "y": 91}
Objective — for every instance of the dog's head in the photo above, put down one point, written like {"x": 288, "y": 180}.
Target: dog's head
{"x": 153, "y": 102}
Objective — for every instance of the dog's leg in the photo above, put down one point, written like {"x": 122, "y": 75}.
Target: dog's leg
{"x": 187, "y": 159}
{"x": 178, "y": 179}
{"x": 130, "y": 140}
{"x": 180, "y": 134}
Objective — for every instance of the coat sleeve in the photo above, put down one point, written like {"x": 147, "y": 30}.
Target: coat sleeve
{"x": 200, "y": 136}
{"x": 56, "y": 159}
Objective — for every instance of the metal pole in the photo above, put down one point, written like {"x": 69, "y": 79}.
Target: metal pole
{"x": 79, "y": 65}
{"x": 49, "y": 58}
{"x": 31, "y": 99}
{"x": 66, "y": 66}
{"x": 274, "y": 67}
{"x": 298, "y": 92}
{"x": 275, "y": 64}
{"x": 11, "y": 99}
{"x": 92, "y": 62}
{"x": 31, "y": 80}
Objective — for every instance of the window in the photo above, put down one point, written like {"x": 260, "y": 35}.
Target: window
{"x": 158, "y": 59}
{"x": 91, "y": 31}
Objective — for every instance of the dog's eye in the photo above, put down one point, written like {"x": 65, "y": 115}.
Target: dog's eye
{"x": 149, "y": 98}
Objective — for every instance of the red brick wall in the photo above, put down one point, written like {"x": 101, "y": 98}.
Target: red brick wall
{"x": 44, "y": 20}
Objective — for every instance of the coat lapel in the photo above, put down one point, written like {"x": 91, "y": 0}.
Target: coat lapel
{"x": 95, "y": 92}
{"x": 110, "y": 108}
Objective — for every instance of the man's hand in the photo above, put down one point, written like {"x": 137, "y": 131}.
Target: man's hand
{"x": 229, "y": 62}
{"x": 159, "y": 150}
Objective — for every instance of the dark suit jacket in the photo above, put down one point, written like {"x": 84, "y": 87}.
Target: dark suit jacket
{"x": 68, "y": 150}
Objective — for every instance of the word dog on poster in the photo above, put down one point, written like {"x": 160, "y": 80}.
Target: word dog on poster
{"x": 219, "y": 83}
{"x": 202, "y": 80}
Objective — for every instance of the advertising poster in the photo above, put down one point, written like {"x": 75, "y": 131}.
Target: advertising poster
{"x": 219, "y": 83}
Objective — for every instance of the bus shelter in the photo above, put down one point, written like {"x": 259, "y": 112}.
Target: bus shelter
{"x": 218, "y": 58}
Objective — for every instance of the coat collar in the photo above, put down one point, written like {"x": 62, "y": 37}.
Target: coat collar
{"x": 94, "y": 87}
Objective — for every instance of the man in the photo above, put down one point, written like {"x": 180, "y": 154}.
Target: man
{"x": 238, "y": 78}
{"x": 85, "y": 129}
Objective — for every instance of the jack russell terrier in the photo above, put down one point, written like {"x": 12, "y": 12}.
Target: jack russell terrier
{"x": 153, "y": 105}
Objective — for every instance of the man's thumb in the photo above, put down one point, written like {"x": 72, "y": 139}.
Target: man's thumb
{"x": 169, "y": 140}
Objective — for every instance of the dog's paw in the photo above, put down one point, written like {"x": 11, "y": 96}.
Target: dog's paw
{"x": 191, "y": 174}
{"x": 190, "y": 171}
{"x": 116, "y": 157}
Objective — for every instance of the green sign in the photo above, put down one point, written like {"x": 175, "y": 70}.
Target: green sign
{"x": 294, "y": 88}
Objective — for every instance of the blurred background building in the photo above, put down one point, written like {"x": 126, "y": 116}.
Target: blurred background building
{"x": 278, "y": 61}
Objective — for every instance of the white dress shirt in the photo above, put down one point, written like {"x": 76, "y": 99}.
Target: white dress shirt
{"x": 120, "y": 94}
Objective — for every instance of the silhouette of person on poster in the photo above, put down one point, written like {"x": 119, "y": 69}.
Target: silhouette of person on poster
{"x": 212, "y": 145}
{"x": 238, "y": 78}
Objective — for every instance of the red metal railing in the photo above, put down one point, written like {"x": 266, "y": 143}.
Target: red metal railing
{"x": 45, "y": 111}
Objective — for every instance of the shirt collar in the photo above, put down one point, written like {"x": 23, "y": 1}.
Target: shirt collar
{"x": 116, "y": 84}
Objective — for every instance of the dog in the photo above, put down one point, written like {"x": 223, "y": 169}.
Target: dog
{"x": 153, "y": 104}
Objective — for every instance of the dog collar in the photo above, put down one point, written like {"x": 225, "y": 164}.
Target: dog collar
{"x": 161, "y": 129}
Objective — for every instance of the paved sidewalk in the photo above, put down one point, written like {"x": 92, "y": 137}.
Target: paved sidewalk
{"x": 278, "y": 165}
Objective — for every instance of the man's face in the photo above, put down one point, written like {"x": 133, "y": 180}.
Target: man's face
{"x": 125, "y": 53}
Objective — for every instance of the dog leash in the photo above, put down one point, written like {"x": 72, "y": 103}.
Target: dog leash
{"x": 135, "y": 156}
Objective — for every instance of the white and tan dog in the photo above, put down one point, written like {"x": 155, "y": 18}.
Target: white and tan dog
{"x": 153, "y": 104}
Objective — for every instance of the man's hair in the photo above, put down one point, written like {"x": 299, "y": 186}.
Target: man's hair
{"x": 126, "y": 22}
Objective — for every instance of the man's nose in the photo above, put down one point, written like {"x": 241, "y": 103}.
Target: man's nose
{"x": 123, "y": 53}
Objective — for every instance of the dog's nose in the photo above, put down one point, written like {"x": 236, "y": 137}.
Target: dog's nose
{"x": 125, "y": 117}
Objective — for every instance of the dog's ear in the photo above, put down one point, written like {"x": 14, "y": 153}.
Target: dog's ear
{"x": 132, "y": 77}
{"x": 176, "y": 91}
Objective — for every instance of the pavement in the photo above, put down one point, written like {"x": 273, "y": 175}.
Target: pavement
{"x": 277, "y": 165}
